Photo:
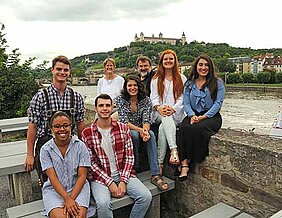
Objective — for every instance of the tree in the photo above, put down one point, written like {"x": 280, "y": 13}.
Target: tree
{"x": 272, "y": 73}
{"x": 279, "y": 77}
{"x": 233, "y": 78}
{"x": 263, "y": 77}
{"x": 16, "y": 81}
{"x": 247, "y": 77}
{"x": 225, "y": 65}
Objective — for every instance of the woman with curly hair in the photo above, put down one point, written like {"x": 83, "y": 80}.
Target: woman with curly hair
{"x": 135, "y": 109}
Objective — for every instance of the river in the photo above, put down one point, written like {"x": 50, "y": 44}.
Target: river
{"x": 241, "y": 110}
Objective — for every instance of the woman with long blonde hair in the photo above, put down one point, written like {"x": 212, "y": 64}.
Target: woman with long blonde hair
{"x": 167, "y": 100}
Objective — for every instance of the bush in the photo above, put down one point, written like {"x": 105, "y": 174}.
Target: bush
{"x": 221, "y": 75}
{"x": 263, "y": 77}
{"x": 233, "y": 78}
{"x": 247, "y": 77}
{"x": 279, "y": 77}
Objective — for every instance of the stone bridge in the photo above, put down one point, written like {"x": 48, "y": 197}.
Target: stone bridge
{"x": 92, "y": 76}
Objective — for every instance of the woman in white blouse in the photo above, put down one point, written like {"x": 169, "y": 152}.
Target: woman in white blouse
{"x": 167, "y": 99}
{"x": 111, "y": 83}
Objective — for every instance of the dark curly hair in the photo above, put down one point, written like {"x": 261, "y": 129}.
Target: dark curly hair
{"x": 141, "y": 89}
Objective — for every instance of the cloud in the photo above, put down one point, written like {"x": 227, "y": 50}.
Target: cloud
{"x": 86, "y": 10}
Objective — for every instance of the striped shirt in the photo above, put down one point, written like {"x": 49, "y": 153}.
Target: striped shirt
{"x": 123, "y": 151}
{"x": 38, "y": 107}
{"x": 66, "y": 168}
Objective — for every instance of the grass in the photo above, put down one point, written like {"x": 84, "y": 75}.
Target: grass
{"x": 13, "y": 137}
{"x": 257, "y": 84}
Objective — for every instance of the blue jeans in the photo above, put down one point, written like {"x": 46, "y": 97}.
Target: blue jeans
{"x": 135, "y": 189}
{"x": 152, "y": 151}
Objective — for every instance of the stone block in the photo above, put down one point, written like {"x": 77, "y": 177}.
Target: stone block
{"x": 209, "y": 174}
{"x": 266, "y": 197}
{"x": 233, "y": 183}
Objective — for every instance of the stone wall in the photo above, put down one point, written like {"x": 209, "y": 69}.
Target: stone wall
{"x": 243, "y": 170}
{"x": 231, "y": 88}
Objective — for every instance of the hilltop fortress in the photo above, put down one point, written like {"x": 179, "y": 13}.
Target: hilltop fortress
{"x": 154, "y": 39}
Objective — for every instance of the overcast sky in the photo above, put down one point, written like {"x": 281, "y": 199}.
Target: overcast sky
{"x": 47, "y": 28}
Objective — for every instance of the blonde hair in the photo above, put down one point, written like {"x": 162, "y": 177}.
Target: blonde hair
{"x": 109, "y": 60}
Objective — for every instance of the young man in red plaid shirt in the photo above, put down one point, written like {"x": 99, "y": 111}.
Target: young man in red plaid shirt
{"x": 112, "y": 160}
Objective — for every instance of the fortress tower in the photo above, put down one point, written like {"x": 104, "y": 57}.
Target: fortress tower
{"x": 154, "y": 39}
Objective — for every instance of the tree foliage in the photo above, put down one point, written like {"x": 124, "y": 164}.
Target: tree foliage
{"x": 16, "y": 81}
{"x": 263, "y": 77}
{"x": 219, "y": 52}
{"x": 279, "y": 77}
{"x": 233, "y": 78}
{"x": 247, "y": 77}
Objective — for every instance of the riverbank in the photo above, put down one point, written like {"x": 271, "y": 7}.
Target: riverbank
{"x": 254, "y": 88}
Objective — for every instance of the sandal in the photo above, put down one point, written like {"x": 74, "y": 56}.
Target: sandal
{"x": 182, "y": 178}
{"x": 177, "y": 171}
{"x": 174, "y": 159}
{"x": 159, "y": 182}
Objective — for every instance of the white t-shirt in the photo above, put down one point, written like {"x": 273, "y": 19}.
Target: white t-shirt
{"x": 111, "y": 87}
{"x": 107, "y": 145}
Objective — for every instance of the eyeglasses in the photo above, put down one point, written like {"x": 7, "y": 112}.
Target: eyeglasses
{"x": 65, "y": 126}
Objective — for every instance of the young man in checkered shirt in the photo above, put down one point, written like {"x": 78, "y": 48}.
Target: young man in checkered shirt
{"x": 112, "y": 160}
{"x": 57, "y": 96}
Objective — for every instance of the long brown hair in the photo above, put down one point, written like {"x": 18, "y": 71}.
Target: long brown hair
{"x": 211, "y": 78}
{"x": 176, "y": 77}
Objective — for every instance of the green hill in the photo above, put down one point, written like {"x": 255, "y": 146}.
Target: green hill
{"x": 126, "y": 56}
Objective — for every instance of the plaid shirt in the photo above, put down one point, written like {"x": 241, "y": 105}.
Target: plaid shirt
{"x": 38, "y": 107}
{"x": 123, "y": 150}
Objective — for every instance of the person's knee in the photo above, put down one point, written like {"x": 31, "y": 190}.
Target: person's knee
{"x": 103, "y": 204}
{"x": 135, "y": 136}
{"x": 148, "y": 197}
{"x": 82, "y": 212}
{"x": 56, "y": 213}
{"x": 152, "y": 135}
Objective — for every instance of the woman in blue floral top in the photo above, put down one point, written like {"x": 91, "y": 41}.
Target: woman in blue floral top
{"x": 135, "y": 109}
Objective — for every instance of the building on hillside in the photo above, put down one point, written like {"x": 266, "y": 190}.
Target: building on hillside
{"x": 274, "y": 64}
{"x": 153, "y": 39}
{"x": 242, "y": 64}
{"x": 267, "y": 61}
{"x": 258, "y": 61}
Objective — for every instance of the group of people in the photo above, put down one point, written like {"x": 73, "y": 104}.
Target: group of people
{"x": 101, "y": 160}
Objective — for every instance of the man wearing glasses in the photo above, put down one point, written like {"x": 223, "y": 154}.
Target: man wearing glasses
{"x": 55, "y": 97}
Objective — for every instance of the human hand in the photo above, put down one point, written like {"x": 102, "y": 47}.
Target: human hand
{"x": 121, "y": 189}
{"x": 29, "y": 162}
{"x": 202, "y": 117}
{"x": 162, "y": 110}
{"x": 71, "y": 208}
{"x": 194, "y": 119}
{"x": 169, "y": 110}
{"x": 114, "y": 189}
{"x": 145, "y": 135}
